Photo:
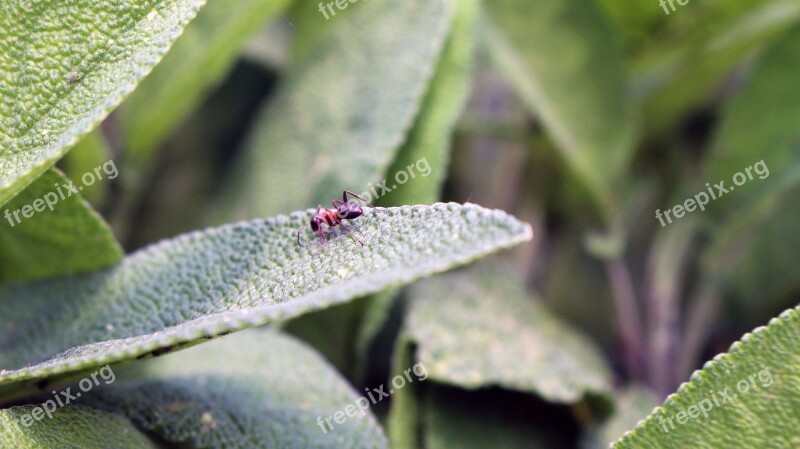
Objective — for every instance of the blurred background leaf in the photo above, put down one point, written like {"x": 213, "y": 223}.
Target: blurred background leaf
{"x": 71, "y": 427}
{"x": 71, "y": 238}
{"x": 754, "y": 245}
{"x": 200, "y": 59}
{"x": 478, "y": 330}
{"x": 256, "y": 389}
{"x": 564, "y": 60}
{"x": 343, "y": 112}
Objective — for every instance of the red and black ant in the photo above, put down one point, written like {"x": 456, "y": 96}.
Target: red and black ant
{"x": 343, "y": 210}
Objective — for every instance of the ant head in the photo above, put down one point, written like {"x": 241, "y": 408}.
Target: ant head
{"x": 349, "y": 210}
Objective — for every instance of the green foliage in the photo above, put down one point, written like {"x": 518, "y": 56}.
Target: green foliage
{"x": 357, "y": 112}
{"x": 488, "y": 332}
{"x": 429, "y": 139}
{"x": 71, "y": 428}
{"x": 256, "y": 389}
{"x": 199, "y": 59}
{"x": 478, "y": 329}
{"x": 67, "y": 66}
{"x": 563, "y": 59}
{"x": 754, "y": 245}
{"x": 583, "y": 117}
{"x": 749, "y": 397}
{"x": 70, "y": 238}
{"x": 220, "y": 280}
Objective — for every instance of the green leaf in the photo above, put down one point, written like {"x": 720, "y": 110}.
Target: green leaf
{"x": 563, "y": 59}
{"x": 236, "y": 276}
{"x": 428, "y": 143}
{"x": 71, "y": 427}
{"x": 66, "y": 66}
{"x": 196, "y": 63}
{"x": 687, "y": 66}
{"x": 257, "y": 389}
{"x": 754, "y": 245}
{"x": 92, "y": 151}
{"x": 425, "y": 155}
{"x": 749, "y": 396}
{"x": 344, "y": 111}
{"x": 310, "y": 27}
{"x": 480, "y": 328}
{"x": 72, "y": 238}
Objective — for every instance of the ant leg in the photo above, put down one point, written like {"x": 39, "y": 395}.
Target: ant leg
{"x": 322, "y": 237}
{"x": 347, "y": 192}
{"x": 350, "y": 232}
{"x": 298, "y": 235}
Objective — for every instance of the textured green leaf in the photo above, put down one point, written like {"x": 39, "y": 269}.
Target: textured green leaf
{"x": 71, "y": 427}
{"x": 65, "y": 66}
{"x": 430, "y": 139}
{"x": 750, "y": 395}
{"x": 257, "y": 389}
{"x": 344, "y": 110}
{"x": 71, "y": 238}
{"x": 480, "y": 328}
{"x": 563, "y": 59}
{"x": 229, "y": 278}
{"x": 427, "y": 147}
{"x": 755, "y": 244}
{"x": 200, "y": 58}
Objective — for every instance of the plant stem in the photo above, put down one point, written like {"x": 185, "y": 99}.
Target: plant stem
{"x": 664, "y": 277}
{"x": 629, "y": 319}
{"x": 699, "y": 320}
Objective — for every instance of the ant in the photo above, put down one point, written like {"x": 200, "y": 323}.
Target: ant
{"x": 343, "y": 210}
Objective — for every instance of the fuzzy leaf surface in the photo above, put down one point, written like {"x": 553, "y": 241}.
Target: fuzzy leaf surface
{"x": 479, "y": 329}
{"x": 65, "y": 65}
{"x": 72, "y": 427}
{"x": 257, "y": 389}
{"x": 236, "y": 276}
{"x": 750, "y": 395}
